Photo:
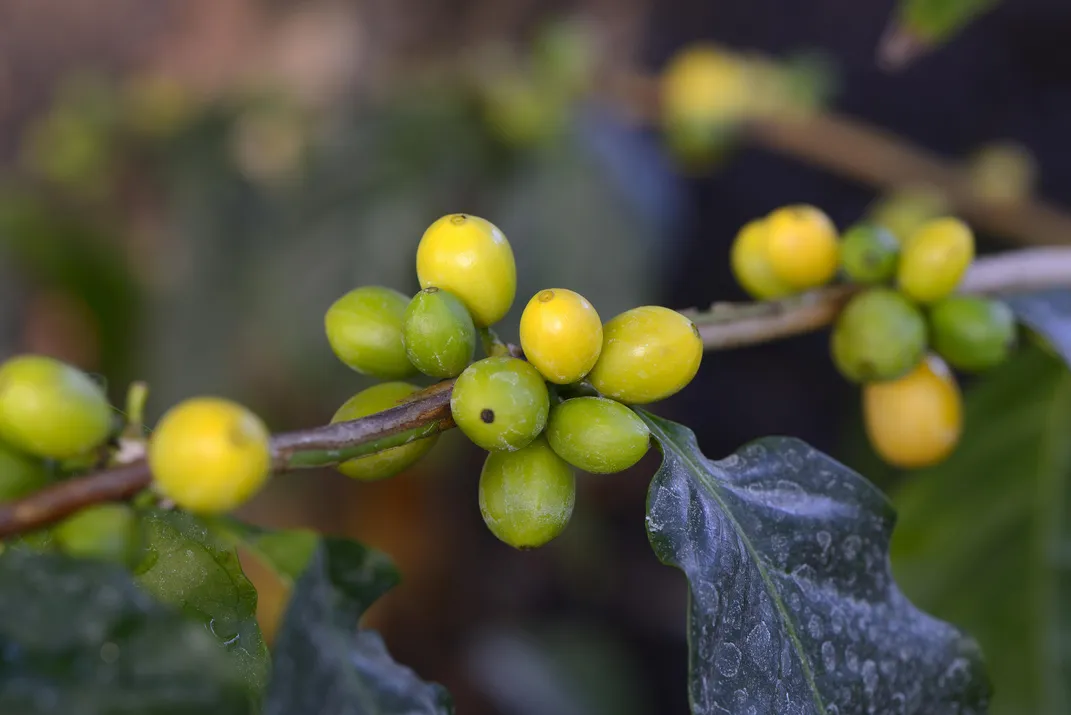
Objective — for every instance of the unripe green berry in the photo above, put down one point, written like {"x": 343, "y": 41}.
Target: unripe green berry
{"x": 364, "y": 328}
{"x": 438, "y": 332}
{"x": 109, "y": 532}
{"x": 51, "y": 409}
{"x": 527, "y": 496}
{"x": 869, "y": 253}
{"x": 972, "y": 333}
{"x": 20, "y": 473}
{"x": 389, "y": 462}
{"x": 597, "y": 435}
{"x": 879, "y": 335}
{"x": 500, "y": 403}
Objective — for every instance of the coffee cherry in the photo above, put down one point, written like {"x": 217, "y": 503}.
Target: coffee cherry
{"x": 750, "y": 262}
{"x": 915, "y": 421}
{"x": 438, "y": 333}
{"x": 802, "y": 246}
{"x": 648, "y": 354}
{"x": 471, "y": 258}
{"x": 364, "y": 328}
{"x": 869, "y": 254}
{"x": 935, "y": 259}
{"x": 20, "y": 474}
{"x": 972, "y": 333}
{"x": 51, "y": 409}
{"x": 597, "y": 435}
{"x": 209, "y": 455}
{"x": 108, "y": 532}
{"x": 527, "y": 496}
{"x": 879, "y": 335}
{"x": 389, "y": 462}
{"x": 500, "y": 403}
{"x": 904, "y": 211}
{"x": 561, "y": 335}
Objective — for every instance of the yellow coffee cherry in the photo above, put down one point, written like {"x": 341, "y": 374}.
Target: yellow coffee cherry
{"x": 802, "y": 246}
{"x": 648, "y": 354}
{"x": 471, "y": 258}
{"x": 209, "y": 455}
{"x": 389, "y": 462}
{"x": 561, "y": 335}
{"x": 704, "y": 84}
{"x": 935, "y": 259}
{"x": 750, "y": 262}
{"x": 915, "y": 421}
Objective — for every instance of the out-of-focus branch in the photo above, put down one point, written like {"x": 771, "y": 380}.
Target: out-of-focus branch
{"x": 722, "y": 327}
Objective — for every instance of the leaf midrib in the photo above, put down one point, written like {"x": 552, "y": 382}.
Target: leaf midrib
{"x": 713, "y": 489}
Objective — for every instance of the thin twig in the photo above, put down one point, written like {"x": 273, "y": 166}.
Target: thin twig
{"x": 723, "y": 326}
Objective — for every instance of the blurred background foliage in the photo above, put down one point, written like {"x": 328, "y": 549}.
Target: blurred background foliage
{"x": 186, "y": 186}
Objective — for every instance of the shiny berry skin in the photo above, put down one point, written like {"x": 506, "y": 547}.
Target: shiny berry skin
{"x": 51, "y": 409}
{"x": 750, "y": 262}
{"x": 972, "y": 333}
{"x": 597, "y": 435}
{"x": 879, "y": 335}
{"x": 470, "y": 257}
{"x": 209, "y": 455}
{"x": 438, "y": 332}
{"x": 561, "y": 335}
{"x": 389, "y": 462}
{"x": 500, "y": 403}
{"x": 915, "y": 421}
{"x": 802, "y": 246}
{"x": 648, "y": 354}
{"x": 869, "y": 254}
{"x": 20, "y": 473}
{"x": 364, "y": 328}
{"x": 935, "y": 258}
{"x": 527, "y": 496}
{"x": 108, "y": 532}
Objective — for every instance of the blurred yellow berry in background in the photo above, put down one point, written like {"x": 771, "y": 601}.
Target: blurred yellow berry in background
{"x": 749, "y": 259}
{"x": 802, "y": 246}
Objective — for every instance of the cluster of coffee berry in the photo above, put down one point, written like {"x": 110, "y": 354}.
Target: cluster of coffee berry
{"x": 562, "y": 406}
{"x": 900, "y": 330}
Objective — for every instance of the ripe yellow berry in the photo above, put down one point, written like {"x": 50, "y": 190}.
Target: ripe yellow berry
{"x": 561, "y": 335}
{"x": 750, "y": 261}
{"x": 209, "y": 455}
{"x": 915, "y": 421}
{"x": 471, "y": 258}
{"x": 704, "y": 84}
{"x": 648, "y": 354}
{"x": 802, "y": 246}
{"x": 934, "y": 259}
{"x": 389, "y": 462}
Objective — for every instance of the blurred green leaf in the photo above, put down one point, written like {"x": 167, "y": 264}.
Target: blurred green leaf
{"x": 286, "y": 552}
{"x": 192, "y": 568}
{"x": 79, "y": 637}
{"x": 935, "y": 21}
{"x": 983, "y": 539}
{"x": 792, "y": 606}
{"x": 322, "y": 665}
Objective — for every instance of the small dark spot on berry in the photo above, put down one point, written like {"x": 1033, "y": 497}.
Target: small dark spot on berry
{"x": 488, "y": 416}
{"x": 695, "y": 331}
{"x": 431, "y": 289}
{"x": 545, "y": 296}
{"x": 458, "y": 219}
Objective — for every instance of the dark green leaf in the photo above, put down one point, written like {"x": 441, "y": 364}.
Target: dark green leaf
{"x": 985, "y": 538}
{"x": 1048, "y": 313}
{"x": 322, "y": 665}
{"x": 194, "y": 569}
{"x": 792, "y": 606}
{"x": 78, "y": 637}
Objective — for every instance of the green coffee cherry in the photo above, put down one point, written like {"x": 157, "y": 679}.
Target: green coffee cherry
{"x": 869, "y": 253}
{"x": 597, "y": 435}
{"x": 20, "y": 474}
{"x": 109, "y": 532}
{"x": 389, "y": 462}
{"x": 364, "y": 328}
{"x": 527, "y": 496}
{"x": 500, "y": 403}
{"x": 972, "y": 333}
{"x": 879, "y": 335}
{"x": 51, "y": 409}
{"x": 438, "y": 333}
